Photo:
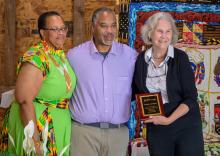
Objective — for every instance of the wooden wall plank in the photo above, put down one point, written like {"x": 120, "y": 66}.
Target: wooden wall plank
{"x": 10, "y": 26}
{"x": 78, "y": 22}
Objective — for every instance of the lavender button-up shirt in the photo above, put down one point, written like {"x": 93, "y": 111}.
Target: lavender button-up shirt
{"x": 103, "y": 90}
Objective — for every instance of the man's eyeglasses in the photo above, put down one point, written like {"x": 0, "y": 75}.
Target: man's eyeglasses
{"x": 152, "y": 73}
{"x": 57, "y": 30}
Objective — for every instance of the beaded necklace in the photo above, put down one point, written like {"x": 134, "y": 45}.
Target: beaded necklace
{"x": 62, "y": 67}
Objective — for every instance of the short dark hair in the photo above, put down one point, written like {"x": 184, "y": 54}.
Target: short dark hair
{"x": 100, "y": 10}
{"x": 42, "y": 19}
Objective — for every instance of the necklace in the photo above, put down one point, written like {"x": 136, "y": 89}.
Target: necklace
{"x": 157, "y": 58}
{"x": 62, "y": 67}
{"x": 161, "y": 55}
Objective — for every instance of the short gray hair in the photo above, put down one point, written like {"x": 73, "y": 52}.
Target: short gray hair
{"x": 99, "y": 11}
{"x": 150, "y": 25}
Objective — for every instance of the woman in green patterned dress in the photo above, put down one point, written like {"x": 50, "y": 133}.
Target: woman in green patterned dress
{"x": 43, "y": 88}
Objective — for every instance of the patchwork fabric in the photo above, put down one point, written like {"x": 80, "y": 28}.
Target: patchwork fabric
{"x": 198, "y": 25}
{"x": 192, "y": 33}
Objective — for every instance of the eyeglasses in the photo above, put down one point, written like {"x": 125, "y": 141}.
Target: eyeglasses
{"x": 152, "y": 73}
{"x": 57, "y": 30}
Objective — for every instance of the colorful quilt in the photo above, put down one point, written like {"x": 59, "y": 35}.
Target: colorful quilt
{"x": 199, "y": 27}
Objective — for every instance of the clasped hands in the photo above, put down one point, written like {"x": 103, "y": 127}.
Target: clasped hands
{"x": 158, "y": 120}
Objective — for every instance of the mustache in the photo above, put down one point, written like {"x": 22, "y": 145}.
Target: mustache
{"x": 109, "y": 34}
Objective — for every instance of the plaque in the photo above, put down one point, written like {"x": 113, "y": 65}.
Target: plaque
{"x": 149, "y": 104}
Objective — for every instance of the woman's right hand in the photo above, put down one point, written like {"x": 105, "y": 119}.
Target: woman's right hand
{"x": 159, "y": 120}
{"x": 38, "y": 149}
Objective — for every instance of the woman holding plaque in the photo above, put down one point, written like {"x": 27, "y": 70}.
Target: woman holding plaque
{"x": 167, "y": 70}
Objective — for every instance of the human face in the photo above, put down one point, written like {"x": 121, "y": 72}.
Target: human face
{"x": 162, "y": 35}
{"x": 54, "y": 32}
{"x": 104, "y": 31}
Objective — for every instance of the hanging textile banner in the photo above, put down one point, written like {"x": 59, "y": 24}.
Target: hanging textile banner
{"x": 199, "y": 27}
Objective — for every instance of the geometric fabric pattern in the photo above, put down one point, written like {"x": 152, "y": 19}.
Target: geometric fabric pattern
{"x": 201, "y": 21}
{"x": 192, "y": 33}
{"x": 196, "y": 23}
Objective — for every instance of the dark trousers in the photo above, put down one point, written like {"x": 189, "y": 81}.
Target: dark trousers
{"x": 167, "y": 141}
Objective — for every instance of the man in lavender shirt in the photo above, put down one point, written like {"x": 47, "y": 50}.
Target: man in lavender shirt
{"x": 100, "y": 106}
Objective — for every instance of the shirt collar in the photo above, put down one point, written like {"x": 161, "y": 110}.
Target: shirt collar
{"x": 170, "y": 53}
{"x": 94, "y": 50}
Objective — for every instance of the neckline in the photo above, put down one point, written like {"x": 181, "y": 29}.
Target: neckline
{"x": 51, "y": 50}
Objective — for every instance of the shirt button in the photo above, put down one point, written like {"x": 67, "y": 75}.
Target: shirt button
{"x": 106, "y": 111}
{"x": 106, "y": 99}
{"x": 106, "y": 87}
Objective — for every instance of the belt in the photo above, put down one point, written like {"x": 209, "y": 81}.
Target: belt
{"x": 102, "y": 125}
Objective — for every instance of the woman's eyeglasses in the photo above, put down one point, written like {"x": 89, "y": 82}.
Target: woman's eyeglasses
{"x": 57, "y": 30}
{"x": 152, "y": 73}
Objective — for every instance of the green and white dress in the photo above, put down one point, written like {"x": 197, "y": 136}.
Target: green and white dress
{"x": 51, "y": 103}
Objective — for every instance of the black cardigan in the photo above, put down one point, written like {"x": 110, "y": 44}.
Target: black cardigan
{"x": 180, "y": 85}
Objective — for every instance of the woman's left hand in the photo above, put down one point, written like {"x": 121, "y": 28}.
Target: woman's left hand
{"x": 158, "y": 120}
{"x": 181, "y": 110}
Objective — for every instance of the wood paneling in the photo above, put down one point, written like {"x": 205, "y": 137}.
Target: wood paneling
{"x": 79, "y": 26}
{"x": 9, "y": 54}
